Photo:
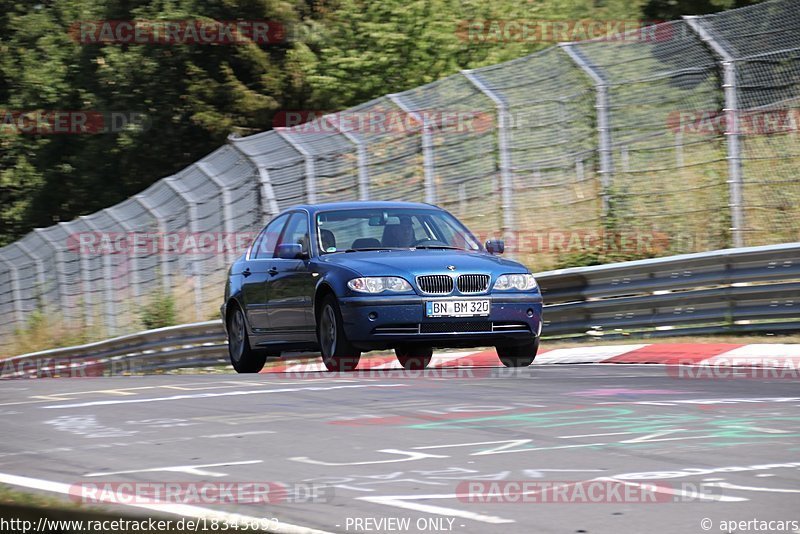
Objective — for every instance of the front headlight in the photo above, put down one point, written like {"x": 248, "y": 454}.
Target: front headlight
{"x": 520, "y": 282}
{"x": 378, "y": 284}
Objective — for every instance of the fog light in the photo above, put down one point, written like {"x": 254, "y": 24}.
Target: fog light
{"x": 372, "y": 316}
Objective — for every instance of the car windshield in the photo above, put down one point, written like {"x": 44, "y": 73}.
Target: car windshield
{"x": 400, "y": 228}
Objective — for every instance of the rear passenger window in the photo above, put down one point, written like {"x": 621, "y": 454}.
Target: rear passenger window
{"x": 297, "y": 231}
{"x": 264, "y": 247}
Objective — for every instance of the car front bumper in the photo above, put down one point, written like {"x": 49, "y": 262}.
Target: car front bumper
{"x": 379, "y": 321}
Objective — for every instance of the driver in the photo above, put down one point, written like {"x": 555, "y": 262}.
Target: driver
{"x": 399, "y": 235}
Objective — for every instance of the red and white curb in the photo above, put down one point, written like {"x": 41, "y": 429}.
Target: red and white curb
{"x": 773, "y": 355}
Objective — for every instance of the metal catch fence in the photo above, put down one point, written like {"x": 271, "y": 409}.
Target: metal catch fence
{"x": 682, "y": 141}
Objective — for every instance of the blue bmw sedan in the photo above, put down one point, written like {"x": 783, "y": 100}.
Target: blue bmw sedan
{"x": 347, "y": 278}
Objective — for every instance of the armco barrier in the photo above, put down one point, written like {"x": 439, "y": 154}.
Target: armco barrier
{"x": 189, "y": 345}
{"x": 732, "y": 290}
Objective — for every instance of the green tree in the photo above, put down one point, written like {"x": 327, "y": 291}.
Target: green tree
{"x": 192, "y": 95}
{"x": 372, "y": 48}
{"x": 339, "y": 53}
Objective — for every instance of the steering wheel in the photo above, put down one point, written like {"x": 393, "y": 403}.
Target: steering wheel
{"x": 428, "y": 242}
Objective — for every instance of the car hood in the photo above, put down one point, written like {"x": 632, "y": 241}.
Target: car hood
{"x": 418, "y": 262}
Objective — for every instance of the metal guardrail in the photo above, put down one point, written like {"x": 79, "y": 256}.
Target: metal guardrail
{"x": 189, "y": 345}
{"x": 724, "y": 291}
{"x": 730, "y": 290}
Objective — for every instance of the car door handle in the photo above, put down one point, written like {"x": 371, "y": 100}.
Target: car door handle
{"x": 273, "y": 271}
{"x": 246, "y": 272}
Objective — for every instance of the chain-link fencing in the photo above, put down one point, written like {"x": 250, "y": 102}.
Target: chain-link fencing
{"x": 681, "y": 137}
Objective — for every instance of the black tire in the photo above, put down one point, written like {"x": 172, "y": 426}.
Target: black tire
{"x": 518, "y": 355}
{"x": 337, "y": 352}
{"x": 414, "y": 357}
{"x": 243, "y": 358}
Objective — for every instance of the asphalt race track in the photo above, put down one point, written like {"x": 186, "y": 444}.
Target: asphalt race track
{"x": 447, "y": 450}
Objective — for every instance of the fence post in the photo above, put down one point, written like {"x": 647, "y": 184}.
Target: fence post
{"x": 311, "y": 177}
{"x": 86, "y": 294}
{"x": 145, "y": 203}
{"x": 731, "y": 112}
{"x": 504, "y": 152}
{"x": 227, "y": 208}
{"x": 361, "y": 154}
{"x": 59, "y": 267}
{"x": 427, "y": 147}
{"x": 40, "y": 277}
{"x": 269, "y": 204}
{"x": 133, "y": 261}
{"x": 108, "y": 289}
{"x": 603, "y": 120}
{"x": 16, "y": 295}
{"x": 198, "y": 286}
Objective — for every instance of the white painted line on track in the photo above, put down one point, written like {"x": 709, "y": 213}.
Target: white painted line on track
{"x": 691, "y": 494}
{"x": 595, "y": 435}
{"x": 716, "y": 400}
{"x": 763, "y": 350}
{"x": 184, "y": 510}
{"x": 211, "y": 395}
{"x": 411, "y": 502}
{"x": 161, "y": 441}
{"x": 305, "y": 367}
{"x": 189, "y": 469}
{"x": 728, "y": 485}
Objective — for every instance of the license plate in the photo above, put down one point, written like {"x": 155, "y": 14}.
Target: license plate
{"x": 456, "y": 308}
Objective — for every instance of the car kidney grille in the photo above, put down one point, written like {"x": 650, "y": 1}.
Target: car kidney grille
{"x": 440, "y": 284}
{"x": 473, "y": 283}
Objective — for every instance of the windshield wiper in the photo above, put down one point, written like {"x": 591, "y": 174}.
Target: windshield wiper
{"x": 367, "y": 249}
{"x": 439, "y": 246}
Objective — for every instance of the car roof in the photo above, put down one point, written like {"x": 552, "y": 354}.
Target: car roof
{"x": 312, "y": 208}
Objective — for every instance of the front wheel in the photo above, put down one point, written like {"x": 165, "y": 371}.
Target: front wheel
{"x": 518, "y": 355}
{"x": 414, "y": 358}
{"x": 337, "y": 352}
{"x": 243, "y": 358}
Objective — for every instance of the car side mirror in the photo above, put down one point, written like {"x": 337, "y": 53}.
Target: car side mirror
{"x": 495, "y": 246}
{"x": 290, "y": 251}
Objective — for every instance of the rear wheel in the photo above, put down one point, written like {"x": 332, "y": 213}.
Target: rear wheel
{"x": 243, "y": 358}
{"x": 518, "y": 355}
{"x": 414, "y": 358}
{"x": 337, "y": 352}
